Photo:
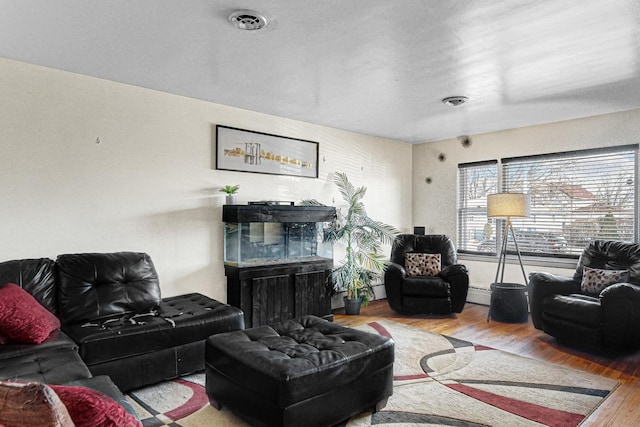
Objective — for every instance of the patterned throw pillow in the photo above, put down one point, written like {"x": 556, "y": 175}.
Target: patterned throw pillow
{"x": 413, "y": 263}
{"x": 422, "y": 264}
{"x": 595, "y": 280}
{"x": 31, "y": 405}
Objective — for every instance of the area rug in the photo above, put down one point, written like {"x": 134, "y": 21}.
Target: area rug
{"x": 438, "y": 380}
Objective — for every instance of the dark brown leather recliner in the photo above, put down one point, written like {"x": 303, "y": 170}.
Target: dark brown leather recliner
{"x": 609, "y": 318}
{"x": 441, "y": 294}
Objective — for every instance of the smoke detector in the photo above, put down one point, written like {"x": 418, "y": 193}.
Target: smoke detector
{"x": 248, "y": 20}
{"x": 454, "y": 101}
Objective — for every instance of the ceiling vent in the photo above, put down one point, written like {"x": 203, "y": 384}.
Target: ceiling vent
{"x": 454, "y": 101}
{"x": 248, "y": 20}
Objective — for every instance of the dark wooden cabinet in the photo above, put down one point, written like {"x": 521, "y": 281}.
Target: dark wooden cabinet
{"x": 275, "y": 293}
{"x": 277, "y": 265}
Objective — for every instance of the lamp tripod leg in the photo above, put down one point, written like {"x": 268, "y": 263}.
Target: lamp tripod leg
{"x": 502, "y": 260}
{"x": 503, "y": 254}
{"x": 526, "y": 282}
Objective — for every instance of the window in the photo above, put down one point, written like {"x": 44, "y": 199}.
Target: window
{"x": 576, "y": 197}
{"x": 476, "y": 181}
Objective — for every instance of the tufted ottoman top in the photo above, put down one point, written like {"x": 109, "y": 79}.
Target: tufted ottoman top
{"x": 296, "y": 359}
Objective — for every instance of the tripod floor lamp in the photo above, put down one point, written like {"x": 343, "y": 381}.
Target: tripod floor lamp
{"x": 507, "y": 206}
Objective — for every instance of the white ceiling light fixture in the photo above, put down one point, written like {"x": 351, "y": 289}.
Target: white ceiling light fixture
{"x": 454, "y": 101}
{"x": 248, "y": 20}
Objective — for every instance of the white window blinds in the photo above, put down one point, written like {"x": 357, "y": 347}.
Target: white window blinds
{"x": 475, "y": 182}
{"x": 575, "y": 198}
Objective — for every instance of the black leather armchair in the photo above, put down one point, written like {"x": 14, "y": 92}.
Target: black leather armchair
{"x": 609, "y": 318}
{"x": 441, "y": 294}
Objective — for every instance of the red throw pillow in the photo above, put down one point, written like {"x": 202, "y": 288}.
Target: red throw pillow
{"x": 22, "y": 318}
{"x": 90, "y": 408}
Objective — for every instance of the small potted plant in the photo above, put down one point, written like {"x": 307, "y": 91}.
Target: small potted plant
{"x": 230, "y": 191}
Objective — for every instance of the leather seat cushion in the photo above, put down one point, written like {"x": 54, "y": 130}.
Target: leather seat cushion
{"x": 55, "y": 366}
{"x": 576, "y": 308}
{"x": 294, "y": 360}
{"x": 57, "y": 340}
{"x": 426, "y": 286}
{"x": 180, "y": 320}
{"x": 420, "y": 305}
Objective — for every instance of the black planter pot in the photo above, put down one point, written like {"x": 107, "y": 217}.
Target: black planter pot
{"x": 352, "y": 306}
{"x": 509, "y": 303}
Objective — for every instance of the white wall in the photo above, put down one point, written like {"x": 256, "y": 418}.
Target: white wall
{"x": 434, "y": 205}
{"x": 150, "y": 184}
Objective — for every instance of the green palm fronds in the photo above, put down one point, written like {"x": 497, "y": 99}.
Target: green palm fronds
{"x": 363, "y": 238}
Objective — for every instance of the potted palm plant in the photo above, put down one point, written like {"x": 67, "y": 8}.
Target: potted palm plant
{"x": 363, "y": 238}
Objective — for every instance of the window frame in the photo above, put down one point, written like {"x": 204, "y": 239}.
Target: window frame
{"x": 505, "y": 185}
{"x": 480, "y": 209}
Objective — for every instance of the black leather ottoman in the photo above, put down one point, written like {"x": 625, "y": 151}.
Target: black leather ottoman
{"x": 300, "y": 372}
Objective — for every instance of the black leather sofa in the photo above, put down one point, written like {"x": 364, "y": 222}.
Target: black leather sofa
{"x": 443, "y": 293}
{"x": 605, "y": 319}
{"x": 114, "y": 322}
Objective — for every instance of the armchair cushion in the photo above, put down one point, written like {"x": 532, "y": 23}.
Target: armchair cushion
{"x": 611, "y": 255}
{"x": 581, "y": 309}
{"x": 594, "y": 280}
{"x": 426, "y": 286}
{"x": 22, "y": 318}
{"x": 422, "y": 264}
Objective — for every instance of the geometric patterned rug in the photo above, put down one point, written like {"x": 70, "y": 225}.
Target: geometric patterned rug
{"x": 438, "y": 380}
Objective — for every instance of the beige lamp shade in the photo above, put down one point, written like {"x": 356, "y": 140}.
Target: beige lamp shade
{"x": 508, "y": 205}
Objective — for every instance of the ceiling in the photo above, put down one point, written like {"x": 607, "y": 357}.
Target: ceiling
{"x": 376, "y": 67}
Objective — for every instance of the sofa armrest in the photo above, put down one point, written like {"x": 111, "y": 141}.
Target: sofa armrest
{"x": 395, "y": 271}
{"x": 620, "y": 291}
{"x": 450, "y": 272}
{"x": 394, "y": 275}
{"x": 621, "y": 315}
{"x": 457, "y": 276}
{"x": 542, "y": 285}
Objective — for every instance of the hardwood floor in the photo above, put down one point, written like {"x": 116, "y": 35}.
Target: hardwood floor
{"x": 622, "y": 408}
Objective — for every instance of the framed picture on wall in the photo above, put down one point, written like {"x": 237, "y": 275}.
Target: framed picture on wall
{"x": 250, "y": 151}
